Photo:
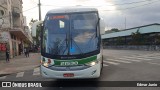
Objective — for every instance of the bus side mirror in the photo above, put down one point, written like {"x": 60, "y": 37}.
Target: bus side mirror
{"x": 34, "y": 27}
{"x": 102, "y": 26}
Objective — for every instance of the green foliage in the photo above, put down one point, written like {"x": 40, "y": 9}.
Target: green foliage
{"x": 120, "y": 41}
{"x": 112, "y": 30}
{"x": 157, "y": 39}
{"x": 32, "y": 21}
{"x": 136, "y": 38}
{"x": 38, "y": 31}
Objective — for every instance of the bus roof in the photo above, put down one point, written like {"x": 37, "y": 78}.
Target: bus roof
{"x": 72, "y": 9}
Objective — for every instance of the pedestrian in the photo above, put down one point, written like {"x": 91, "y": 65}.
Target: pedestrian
{"x": 7, "y": 55}
{"x": 25, "y": 52}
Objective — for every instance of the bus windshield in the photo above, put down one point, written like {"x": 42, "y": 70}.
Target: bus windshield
{"x": 70, "y": 34}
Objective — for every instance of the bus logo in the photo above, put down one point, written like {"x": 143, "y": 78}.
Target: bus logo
{"x": 69, "y": 63}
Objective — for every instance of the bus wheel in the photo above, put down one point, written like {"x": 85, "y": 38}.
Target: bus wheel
{"x": 102, "y": 64}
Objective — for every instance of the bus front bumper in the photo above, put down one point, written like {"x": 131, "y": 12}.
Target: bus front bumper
{"x": 91, "y": 72}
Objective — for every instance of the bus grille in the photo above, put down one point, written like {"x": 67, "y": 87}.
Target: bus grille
{"x": 68, "y": 68}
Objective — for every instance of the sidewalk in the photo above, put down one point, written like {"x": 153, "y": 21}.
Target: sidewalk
{"x": 19, "y": 63}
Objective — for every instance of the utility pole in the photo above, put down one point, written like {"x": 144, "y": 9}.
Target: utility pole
{"x": 39, "y": 5}
{"x": 125, "y": 22}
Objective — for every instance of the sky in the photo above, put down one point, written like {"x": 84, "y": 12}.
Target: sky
{"x": 121, "y": 14}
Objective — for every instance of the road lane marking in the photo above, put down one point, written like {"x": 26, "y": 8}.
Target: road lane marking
{"x": 36, "y": 71}
{"x": 110, "y": 62}
{"x": 133, "y": 56}
{"x": 105, "y": 65}
{"x": 143, "y": 58}
{"x": 140, "y": 58}
{"x": 154, "y": 57}
{"x": 129, "y": 59}
{"x": 154, "y": 63}
{"x": 3, "y": 77}
{"x": 118, "y": 61}
{"x": 20, "y": 74}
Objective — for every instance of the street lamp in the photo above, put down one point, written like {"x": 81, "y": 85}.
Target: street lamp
{"x": 125, "y": 22}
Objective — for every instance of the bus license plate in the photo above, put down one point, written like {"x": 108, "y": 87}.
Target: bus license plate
{"x": 68, "y": 75}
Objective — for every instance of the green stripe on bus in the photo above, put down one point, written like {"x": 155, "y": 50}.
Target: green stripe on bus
{"x": 80, "y": 61}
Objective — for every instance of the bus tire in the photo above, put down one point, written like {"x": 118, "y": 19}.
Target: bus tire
{"x": 101, "y": 65}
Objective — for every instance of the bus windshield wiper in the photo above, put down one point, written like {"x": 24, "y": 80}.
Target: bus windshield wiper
{"x": 58, "y": 47}
{"x": 72, "y": 41}
{"x": 65, "y": 40}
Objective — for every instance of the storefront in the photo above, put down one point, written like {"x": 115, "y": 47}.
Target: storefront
{"x": 4, "y": 43}
{"x": 10, "y": 42}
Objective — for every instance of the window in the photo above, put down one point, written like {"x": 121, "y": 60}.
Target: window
{"x": 1, "y": 13}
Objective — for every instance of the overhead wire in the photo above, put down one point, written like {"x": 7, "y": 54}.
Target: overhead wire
{"x": 131, "y": 2}
{"x": 29, "y": 9}
{"x": 134, "y": 6}
{"x": 153, "y": 1}
{"x": 114, "y": 4}
{"x": 34, "y": 2}
{"x": 20, "y": 12}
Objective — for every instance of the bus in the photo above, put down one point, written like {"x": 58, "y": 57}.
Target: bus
{"x": 71, "y": 45}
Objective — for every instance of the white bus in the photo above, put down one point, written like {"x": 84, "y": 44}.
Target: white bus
{"x": 71, "y": 44}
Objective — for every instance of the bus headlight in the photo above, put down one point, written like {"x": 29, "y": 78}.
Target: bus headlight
{"x": 92, "y": 63}
{"x": 46, "y": 63}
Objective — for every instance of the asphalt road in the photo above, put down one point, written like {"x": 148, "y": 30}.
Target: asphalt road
{"x": 119, "y": 65}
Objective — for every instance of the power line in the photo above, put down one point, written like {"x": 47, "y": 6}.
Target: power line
{"x": 153, "y": 1}
{"x": 29, "y": 9}
{"x": 101, "y": 10}
{"x": 133, "y": 7}
{"x": 116, "y": 4}
{"x": 131, "y": 3}
{"x": 34, "y": 2}
{"x": 52, "y": 5}
{"x": 20, "y": 12}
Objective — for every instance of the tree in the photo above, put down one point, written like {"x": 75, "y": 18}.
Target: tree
{"x": 36, "y": 39}
{"x": 120, "y": 41}
{"x": 32, "y": 21}
{"x": 114, "y": 30}
{"x": 157, "y": 39}
{"x": 136, "y": 38}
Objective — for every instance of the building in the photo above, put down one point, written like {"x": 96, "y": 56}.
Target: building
{"x": 27, "y": 32}
{"x": 13, "y": 35}
{"x": 138, "y": 37}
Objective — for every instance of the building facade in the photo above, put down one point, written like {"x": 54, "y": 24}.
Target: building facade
{"x": 13, "y": 35}
{"x": 142, "y": 37}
